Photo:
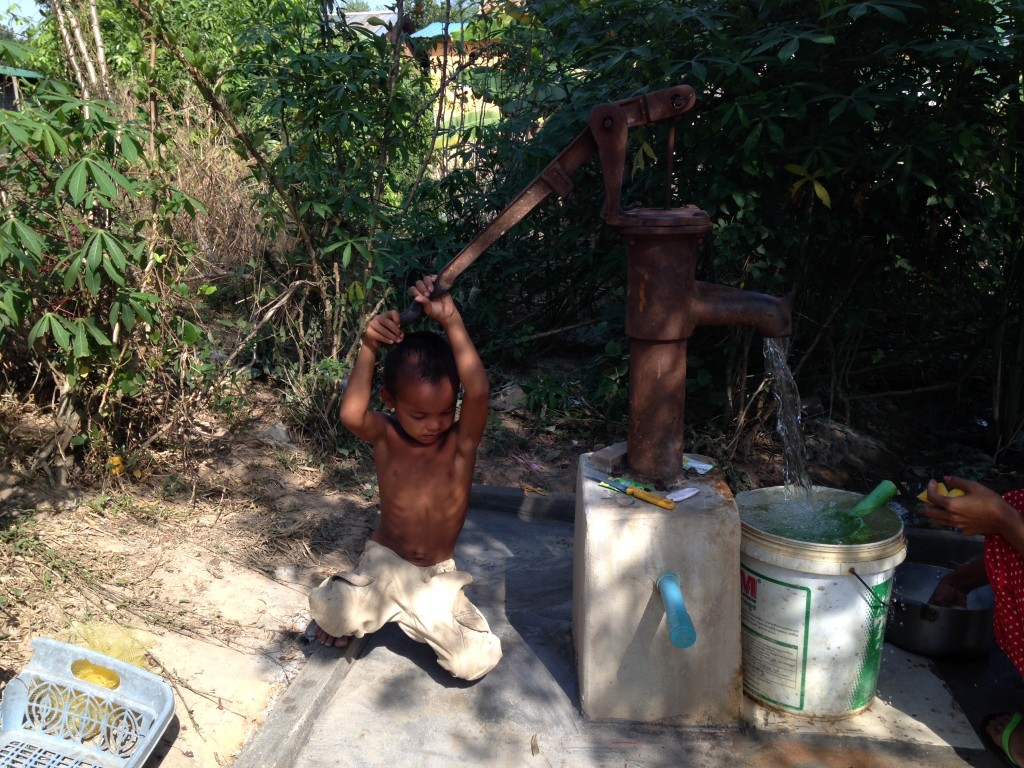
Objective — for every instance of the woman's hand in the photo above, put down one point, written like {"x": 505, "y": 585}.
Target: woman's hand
{"x": 946, "y": 595}
{"x": 953, "y": 588}
{"x": 980, "y": 511}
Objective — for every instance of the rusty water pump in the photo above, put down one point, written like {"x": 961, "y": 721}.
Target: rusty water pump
{"x": 665, "y": 301}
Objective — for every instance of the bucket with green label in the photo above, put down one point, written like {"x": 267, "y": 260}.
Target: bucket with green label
{"x": 814, "y": 599}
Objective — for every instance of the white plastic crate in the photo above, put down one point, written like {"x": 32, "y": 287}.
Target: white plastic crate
{"x": 71, "y": 707}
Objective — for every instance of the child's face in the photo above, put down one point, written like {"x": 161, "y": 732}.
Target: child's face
{"x": 425, "y": 410}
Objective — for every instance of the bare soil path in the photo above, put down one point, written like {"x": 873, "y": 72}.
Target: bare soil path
{"x": 206, "y": 574}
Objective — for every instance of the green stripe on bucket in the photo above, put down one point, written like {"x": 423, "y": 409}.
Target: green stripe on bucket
{"x": 867, "y": 680}
{"x": 803, "y": 651}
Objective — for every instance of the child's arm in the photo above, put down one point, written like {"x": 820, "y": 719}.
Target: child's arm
{"x": 475, "y": 386}
{"x": 355, "y": 413}
{"x": 472, "y": 374}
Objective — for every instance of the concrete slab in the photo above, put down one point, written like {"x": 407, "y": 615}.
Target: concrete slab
{"x": 395, "y": 705}
{"x": 913, "y": 706}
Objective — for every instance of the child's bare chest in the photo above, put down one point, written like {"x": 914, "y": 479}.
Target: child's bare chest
{"x": 404, "y": 465}
{"x": 417, "y": 471}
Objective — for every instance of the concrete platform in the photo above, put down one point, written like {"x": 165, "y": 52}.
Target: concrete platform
{"x": 385, "y": 701}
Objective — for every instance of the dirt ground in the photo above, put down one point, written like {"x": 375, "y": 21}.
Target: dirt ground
{"x": 204, "y": 576}
{"x": 205, "y": 573}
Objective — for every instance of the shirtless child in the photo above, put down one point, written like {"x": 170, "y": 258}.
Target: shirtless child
{"x": 424, "y": 459}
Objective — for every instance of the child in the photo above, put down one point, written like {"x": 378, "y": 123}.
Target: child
{"x": 424, "y": 458}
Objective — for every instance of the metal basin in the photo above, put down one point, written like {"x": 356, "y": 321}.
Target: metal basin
{"x": 936, "y": 631}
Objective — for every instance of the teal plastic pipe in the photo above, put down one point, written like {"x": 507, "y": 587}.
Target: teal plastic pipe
{"x": 680, "y": 626}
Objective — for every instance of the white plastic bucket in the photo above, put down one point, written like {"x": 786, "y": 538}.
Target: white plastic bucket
{"x": 813, "y": 616}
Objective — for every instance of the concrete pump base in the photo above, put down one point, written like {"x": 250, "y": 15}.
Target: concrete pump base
{"x": 627, "y": 666}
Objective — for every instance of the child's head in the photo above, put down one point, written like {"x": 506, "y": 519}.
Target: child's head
{"x": 421, "y": 382}
{"x": 421, "y": 356}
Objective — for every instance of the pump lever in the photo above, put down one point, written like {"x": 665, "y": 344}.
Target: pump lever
{"x": 556, "y": 177}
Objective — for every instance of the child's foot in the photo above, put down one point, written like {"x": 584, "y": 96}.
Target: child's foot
{"x": 1004, "y": 732}
{"x": 329, "y": 640}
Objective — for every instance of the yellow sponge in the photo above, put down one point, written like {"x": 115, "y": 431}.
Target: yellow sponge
{"x": 943, "y": 491}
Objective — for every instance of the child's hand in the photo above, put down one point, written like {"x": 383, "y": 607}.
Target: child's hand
{"x": 440, "y": 308}
{"x": 385, "y": 328}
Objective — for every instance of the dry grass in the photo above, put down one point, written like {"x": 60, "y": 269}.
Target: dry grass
{"x": 208, "y": 169}
{"x": 249, "y": 493}
{"x": 24, "y": 427}
{"x": 105, "y": 555}
{"x": 69, "y": 567}
{"x": 228, "y": 233}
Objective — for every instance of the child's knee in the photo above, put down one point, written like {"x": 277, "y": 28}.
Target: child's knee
{"x": 475, "y": 658}
{"x": 347, "y": 604}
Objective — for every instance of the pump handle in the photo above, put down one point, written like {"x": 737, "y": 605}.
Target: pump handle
{"x": 556, "y": 177}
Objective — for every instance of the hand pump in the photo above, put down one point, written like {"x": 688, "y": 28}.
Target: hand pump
{"x": 664, "y": 300}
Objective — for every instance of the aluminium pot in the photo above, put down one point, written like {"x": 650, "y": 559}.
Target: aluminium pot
{"x": 937, "y": 631}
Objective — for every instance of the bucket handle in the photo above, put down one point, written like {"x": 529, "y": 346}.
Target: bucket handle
{"x": 870, "y": 591}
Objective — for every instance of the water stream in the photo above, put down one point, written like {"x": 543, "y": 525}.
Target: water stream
{"x": 798, "y": 512}
{"x": 795, "y": 479}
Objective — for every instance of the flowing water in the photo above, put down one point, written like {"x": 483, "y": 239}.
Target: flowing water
{"x": 800, "y": 512}
{"x": 794, "y": 467}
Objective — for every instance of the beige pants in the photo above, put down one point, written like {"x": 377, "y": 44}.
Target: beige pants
{"x": 427, "y": 603}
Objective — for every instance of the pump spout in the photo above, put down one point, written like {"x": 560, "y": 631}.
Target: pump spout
{"x": 664, "y": 305}
{"x": 723, "y": 305}
{"x": 680, "y": 626}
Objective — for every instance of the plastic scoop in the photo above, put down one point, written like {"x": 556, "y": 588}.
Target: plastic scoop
{"x": 853, "y": 518}
{"x": 884, "y": 491}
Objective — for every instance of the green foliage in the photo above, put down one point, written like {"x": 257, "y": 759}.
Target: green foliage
{"x": 82, "y": 268}
{"x": 607, "y": 381}
{"x": 314, "y": 402}
{"x": 337, "y": 126}
{"x": 344, "y": 121}
{"x": 868, "y": 152}
{"x": 548, "y": 397}
{"x": 205, "y": 29}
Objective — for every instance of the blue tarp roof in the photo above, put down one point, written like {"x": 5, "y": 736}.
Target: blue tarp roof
{"x": 437, "y": 29}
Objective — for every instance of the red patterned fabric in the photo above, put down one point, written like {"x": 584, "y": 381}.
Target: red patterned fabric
{"x": 1005, "y": 568}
